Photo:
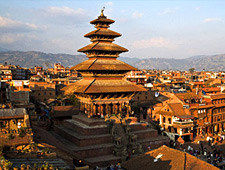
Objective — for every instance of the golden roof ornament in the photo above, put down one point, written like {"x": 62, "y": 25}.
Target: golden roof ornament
{"x": 102, "y": 10}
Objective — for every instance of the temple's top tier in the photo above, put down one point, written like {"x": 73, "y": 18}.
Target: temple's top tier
{"x": 102, "y": 21}
{"x": 102, "y": 38}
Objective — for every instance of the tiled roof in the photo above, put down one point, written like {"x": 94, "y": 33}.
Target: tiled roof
{"x": 102, "y": 19}
{"x": 102, "y": 86}
{"x": 171, "y": 159}
{"x": 103, "y": 46}
{"x": 105, "y": 32}
{"x": 189, "y": 95}
{"x": 79, "y": 86}
{"x": 177, "y": 109}
{"x": 103, "y": 64}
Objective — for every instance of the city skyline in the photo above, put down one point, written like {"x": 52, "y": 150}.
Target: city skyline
{"x": 150, "y": 29}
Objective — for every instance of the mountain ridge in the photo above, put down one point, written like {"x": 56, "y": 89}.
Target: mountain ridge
{"x": 29, "y": 59}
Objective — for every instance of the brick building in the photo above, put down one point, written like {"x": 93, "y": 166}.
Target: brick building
{"x": 42, "y": 91}
{"x": 176, "y": 120}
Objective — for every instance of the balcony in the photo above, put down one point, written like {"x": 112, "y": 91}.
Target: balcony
{"x": 189, "y": 123}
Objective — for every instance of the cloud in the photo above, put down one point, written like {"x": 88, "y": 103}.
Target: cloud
{"x": 109, "y": 4}
{"x": 64, "y": 15}
{"x": 158, "y": 42}
{"x": 9, "y": 25}
{"x": 137, "y": 14}
{"x": 211, "y": 20}
{"x": 168, "y": 11}
{"x": 10, "y": 38}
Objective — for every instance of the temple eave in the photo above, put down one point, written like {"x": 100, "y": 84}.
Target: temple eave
{"x": 102, "y": 86}
{"x": 100, "y": 32}
{"x": 103, "y": 20}
{"x": 88, "y": 49}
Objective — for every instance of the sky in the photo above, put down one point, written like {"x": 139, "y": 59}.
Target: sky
{"x": 149, "y": 28}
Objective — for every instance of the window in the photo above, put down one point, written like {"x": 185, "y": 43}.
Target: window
{"x": 169, "y": 120}
{"x": 164, "y": 119}
{"x": 39, "y": 94}
{"x": 175, "y": 130}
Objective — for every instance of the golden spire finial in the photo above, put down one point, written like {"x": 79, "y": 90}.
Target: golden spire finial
{"x": 102, "y": 10}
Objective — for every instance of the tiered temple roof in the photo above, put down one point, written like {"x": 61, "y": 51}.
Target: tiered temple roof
{"x": 103, "y": 74}
{"x": 103, "y": 62}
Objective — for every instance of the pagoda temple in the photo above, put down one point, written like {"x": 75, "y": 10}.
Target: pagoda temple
{"x": 103, "y": 89}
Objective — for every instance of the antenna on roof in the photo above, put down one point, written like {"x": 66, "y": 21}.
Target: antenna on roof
{"x": 158, "y": 157}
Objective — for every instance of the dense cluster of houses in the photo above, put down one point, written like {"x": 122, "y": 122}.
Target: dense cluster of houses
{"x": 190, "y": 103}
{"x": 182, "y": 103}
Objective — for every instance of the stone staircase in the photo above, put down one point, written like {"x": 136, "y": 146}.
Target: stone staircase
{"x": 88, "y": 138}
{"x": 147, "y": 136}
{"x": 101, "y": 143}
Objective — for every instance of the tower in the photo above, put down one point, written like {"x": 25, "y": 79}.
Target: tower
{"x": 103, "y": 89}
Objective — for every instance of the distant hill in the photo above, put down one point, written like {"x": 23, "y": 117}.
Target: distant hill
{"x": 208, "y": 63}
{"x": 3, "y": 49}
{"x": 32, "y": 58}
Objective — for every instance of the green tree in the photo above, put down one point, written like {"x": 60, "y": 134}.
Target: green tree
{"x": 74, "y": 100}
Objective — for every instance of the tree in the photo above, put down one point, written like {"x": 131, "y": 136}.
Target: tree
{"x": 74, "y": 100}
{"x": 192, "y": 70}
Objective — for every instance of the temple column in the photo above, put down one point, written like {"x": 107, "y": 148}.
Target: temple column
{"x": 85, "y": 108}
{"x": 89, "y": 110}
{"x": 107, "y": 109}
{"x": 92, "y": 109}
{"x": 114, "y": 108}
{"x": 101, "y": 108}
{"x": 120, "y": 107}
{"x": 95, "y": 111}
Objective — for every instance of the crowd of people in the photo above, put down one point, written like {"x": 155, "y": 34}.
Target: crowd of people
{"x": 207, "y": 150}
{"x": 111, "y": 167}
